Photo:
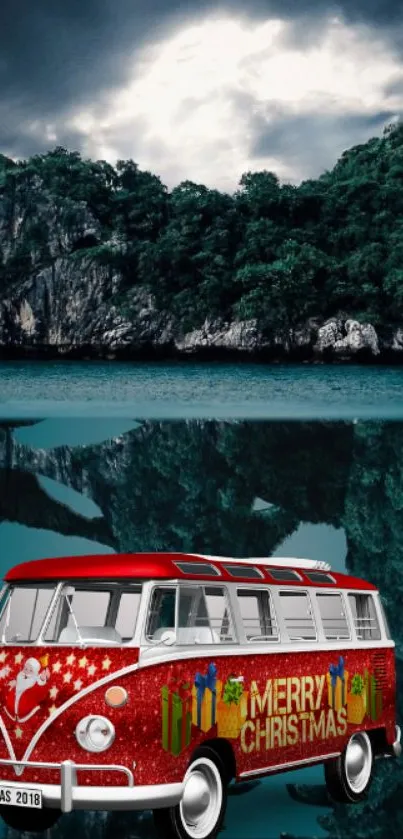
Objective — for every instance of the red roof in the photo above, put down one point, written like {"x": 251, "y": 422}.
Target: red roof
{"x": 160, "y": 566}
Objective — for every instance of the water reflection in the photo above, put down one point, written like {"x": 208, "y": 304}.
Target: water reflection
{"x": 332, "y": 490}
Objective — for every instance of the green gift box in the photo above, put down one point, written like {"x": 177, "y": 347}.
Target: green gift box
{"x": 378, "y": 704}
{"x": 373, "y": 697}
{"x": 176, "y": 702}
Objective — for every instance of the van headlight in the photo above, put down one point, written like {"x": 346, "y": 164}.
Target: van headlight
{"x": 95, "y": 733}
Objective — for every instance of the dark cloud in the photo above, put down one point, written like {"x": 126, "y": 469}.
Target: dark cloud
{"x": 311, "y": 142}
{"x": 54, "y": 51}
{"x": 58, "y": 54}
{"x": 22, "y": 135}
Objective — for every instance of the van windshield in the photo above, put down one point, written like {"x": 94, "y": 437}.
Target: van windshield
{"x": 104, "y": 614}
{"x": 24, "y": 609}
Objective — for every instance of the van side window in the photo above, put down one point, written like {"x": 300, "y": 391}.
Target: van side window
{"x": 162, "y": 612}
{"x": 257, "y": 614}
{"x": 249, "y": 572}
{"x": 284, "y": 575}
{"x": 364, "y": 616}
{"x": 334, "y": 620}
{"x": 297, "y": 613}
{"x": 319, "y": 577}
{"x": 126, "y": 617}
{"x": 204, "y": 615}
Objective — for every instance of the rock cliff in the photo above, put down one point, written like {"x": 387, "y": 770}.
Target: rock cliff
{"x": 104, "y": 263}
{"x": 73, "y": 309}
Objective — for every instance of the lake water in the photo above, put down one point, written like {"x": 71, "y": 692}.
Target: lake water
{"x": 191, "y": 389}
{"x": 327, "y": 490}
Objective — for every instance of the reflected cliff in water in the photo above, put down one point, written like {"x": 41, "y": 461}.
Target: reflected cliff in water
{"x": 220, "y": 487}
{"x": 234, "y": 488}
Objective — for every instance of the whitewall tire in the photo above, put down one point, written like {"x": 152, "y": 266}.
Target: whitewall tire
{"x": 349, "y": 776}
{"x": 201, "y": 812}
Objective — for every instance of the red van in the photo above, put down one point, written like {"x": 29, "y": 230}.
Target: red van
{"x": 151, "y": 681}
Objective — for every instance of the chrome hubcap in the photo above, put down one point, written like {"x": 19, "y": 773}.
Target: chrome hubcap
{"x": 358, "y": 762}
{"x": 202, "y": 798}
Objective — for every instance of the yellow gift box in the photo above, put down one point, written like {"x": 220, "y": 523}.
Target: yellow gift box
{"x": 356, "y": 707}
{"x": 337, "y": 693}
{"x": 205, "y": 692}
{"x": 206, "y": 710}
{"x": 231, "y": 717}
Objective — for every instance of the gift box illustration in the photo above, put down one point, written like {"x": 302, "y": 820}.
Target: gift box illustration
{"x": 232, "y": 709}
{"x": 337, "y": 679}
{"x": 204, "y": 699}
{"x": 356, "y": 700}
{"x": 176, "y": 702}
{"x": 373, "y": 696}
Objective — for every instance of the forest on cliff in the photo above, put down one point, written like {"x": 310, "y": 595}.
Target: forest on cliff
{"x": 278, "y": 252}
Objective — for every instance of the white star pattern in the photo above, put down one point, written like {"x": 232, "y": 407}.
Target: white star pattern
{"x": 67, "y": 674}
{"x": 18, "y": 658}
{"x": 3, "y": 656}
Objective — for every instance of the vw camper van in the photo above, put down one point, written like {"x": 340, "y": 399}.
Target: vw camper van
{"x": 152, "y": 681}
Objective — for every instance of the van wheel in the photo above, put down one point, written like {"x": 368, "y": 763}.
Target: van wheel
{"x": 29, "y": 819}
{"x": 349, "y": 776}
{"x": 200, "y": 814}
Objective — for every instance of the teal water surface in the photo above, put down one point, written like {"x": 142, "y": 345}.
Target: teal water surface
{"x": 326, "y": 490}
{"x": 189, "y": 389}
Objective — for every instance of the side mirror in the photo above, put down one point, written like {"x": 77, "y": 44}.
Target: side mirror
{"x": 168, "y": 638}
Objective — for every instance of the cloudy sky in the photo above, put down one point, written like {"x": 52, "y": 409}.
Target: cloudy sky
{"x": 200, "y": 90}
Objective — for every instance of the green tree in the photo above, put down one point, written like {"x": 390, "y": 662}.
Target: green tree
{"x": 286, "y": 289}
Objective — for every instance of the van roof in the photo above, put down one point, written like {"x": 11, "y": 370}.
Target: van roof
{"x": 165, "y": 566}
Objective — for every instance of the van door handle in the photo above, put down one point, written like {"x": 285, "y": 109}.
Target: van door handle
{"x": 237, "y": 678}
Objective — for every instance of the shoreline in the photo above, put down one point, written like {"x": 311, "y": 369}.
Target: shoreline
{"x": 151, "y": 353}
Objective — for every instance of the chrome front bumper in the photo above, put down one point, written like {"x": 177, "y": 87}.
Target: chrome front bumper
{"x": 397, "y": 746}
{"x": 71, "y": 796}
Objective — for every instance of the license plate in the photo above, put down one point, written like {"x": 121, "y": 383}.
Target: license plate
{"x": 20, "y": 797}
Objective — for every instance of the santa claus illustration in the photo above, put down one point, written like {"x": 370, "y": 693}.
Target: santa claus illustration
{"x": 27, "y": 692}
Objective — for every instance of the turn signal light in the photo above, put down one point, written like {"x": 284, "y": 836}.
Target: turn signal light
{"x": 116, "y": 696}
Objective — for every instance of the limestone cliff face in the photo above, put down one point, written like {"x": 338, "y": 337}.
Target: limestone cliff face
{"x": 66, "y": 307}
{"x": 73, "y": 308}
